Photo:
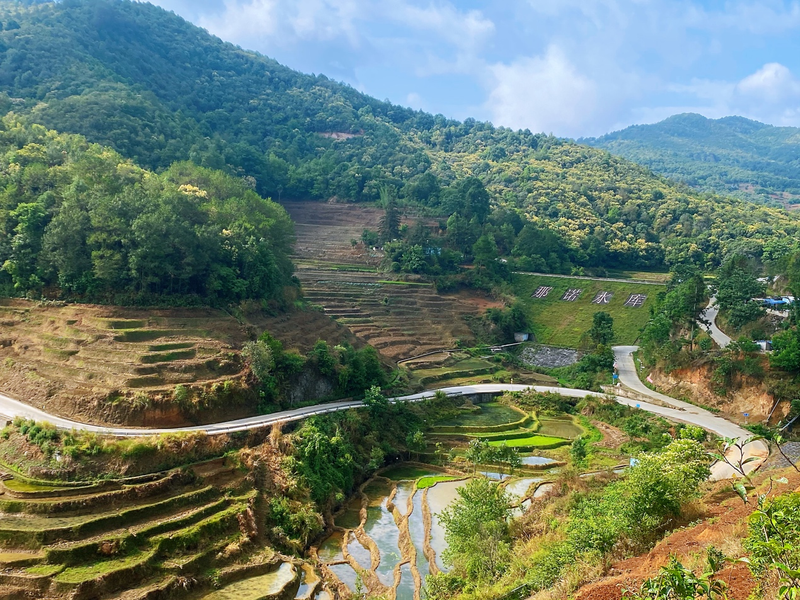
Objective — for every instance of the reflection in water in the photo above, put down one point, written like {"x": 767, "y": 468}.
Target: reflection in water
{"x": 536, "y": 460}
{"x": 360, "y": 553}
{"x": 384, "y": 532}
{"x": 405, "y": 590}
{"x": 439, "y": 496}
{"x": 350, "y": 518}
{"x": 519, "y": 488}
{"x": 543, "y": 489}
{"x": 256, "y": 587}
{"x": 404, "y": 490}
{"x": 330, "y": 549}
{"x": 494, "y": 475}
{"x": 308, "y": 580}
{"x": 416, "y": 528}
{"x": 346, "y": 575}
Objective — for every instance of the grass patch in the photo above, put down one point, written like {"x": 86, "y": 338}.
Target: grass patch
{"x": 166, "y": 347}
{"x": 59, "y": 353}
{"x": 416, "y": 283}
{"x": 430, "y": 481}
{"x": 406, "y": 473}
{"x": 124, "y": 323}
{"x": 83, "y": 573}
{"x": 44, "y": 570}
{"x": 541, "y": 442}
{"x": 490, "y": 414}
{"x": 563, "y": 323}
{"x": 168, "y": 356}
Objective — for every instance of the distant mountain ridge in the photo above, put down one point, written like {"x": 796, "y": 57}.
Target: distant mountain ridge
{"x": 160, "y": 90}
{"x": 731, "y": 155}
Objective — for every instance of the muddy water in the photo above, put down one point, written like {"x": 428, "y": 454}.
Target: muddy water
{"x": 331, "y": 549}
{"x": 517, "y": 489}
{"x": 439, "y": 497}
{"x": 256, "y": 587}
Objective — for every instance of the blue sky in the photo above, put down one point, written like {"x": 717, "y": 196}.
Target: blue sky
{"x": 569, "y": 67}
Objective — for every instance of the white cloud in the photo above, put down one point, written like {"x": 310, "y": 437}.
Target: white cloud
{"x": 278, "y": 22}
{"x": 545, "y": 93}
{"x": 770, "y": 94}
{"x": 772, "y": 83}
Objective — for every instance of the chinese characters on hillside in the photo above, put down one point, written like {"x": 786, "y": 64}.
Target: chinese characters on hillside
{"x": 602, "y": 298}
{"x": 541, "y": 292}
{"x": 635, "y": 300}
{"x": 572, "y": 294}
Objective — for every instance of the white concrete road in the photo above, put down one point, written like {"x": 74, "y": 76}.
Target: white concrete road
{"x": 674, "y": 410}
{"x": 710, "y": 314}
{"x": 683, "y": 412}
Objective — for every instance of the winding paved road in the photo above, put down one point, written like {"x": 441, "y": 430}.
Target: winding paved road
{"x": 710, "y": 314}
{"x": 674, "y": 410}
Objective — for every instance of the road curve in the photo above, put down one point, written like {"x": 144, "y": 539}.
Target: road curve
{"x": 710, "y": 315}
{"x": 674, "y": 410}
{"x": 683, "y": 412}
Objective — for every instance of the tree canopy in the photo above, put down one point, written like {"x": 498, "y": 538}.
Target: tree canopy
{"x": 159, "y": 90}
{"x": 80, "y": 221}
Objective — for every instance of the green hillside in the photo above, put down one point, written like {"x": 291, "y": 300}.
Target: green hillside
{"x": 564, "y": 323}
{"x": 732, "y": 155}
{"x": 79, "y": 221}
{"x": 159, "y": 90}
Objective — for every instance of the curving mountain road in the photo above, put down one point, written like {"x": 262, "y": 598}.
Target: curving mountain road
{"x": 710, "y": 314}
{"x": 683, "y": 412}
{"x": 674, "y": 410}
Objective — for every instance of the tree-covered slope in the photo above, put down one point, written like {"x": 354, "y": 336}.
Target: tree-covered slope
{"x": 77, "y": 220}
{"x": 159, "y": 90}
{"x": 732, "y": 155}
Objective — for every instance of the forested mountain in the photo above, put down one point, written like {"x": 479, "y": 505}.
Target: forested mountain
{"x": 159, "y": 90}
{"x": 77, "y": 220}
{"x": 732, "y": 155}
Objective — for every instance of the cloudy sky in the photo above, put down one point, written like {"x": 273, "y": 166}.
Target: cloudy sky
{"x": 569, "y": 67}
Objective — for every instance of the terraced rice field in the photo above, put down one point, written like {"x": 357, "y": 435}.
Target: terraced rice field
{"x": 389, "y": 544}
{"x": 105, "y": 347}
{"x": 145, "y": 537}
{"x": 399, "y": 320}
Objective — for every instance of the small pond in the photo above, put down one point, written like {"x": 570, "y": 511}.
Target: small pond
{"x": 537, "y": 460}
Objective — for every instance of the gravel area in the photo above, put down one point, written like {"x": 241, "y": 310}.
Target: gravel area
{"x": 549, "y": 356}
{"x": 776, "y": 461}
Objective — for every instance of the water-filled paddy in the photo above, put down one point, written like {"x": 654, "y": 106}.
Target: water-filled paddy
{"x": 346, "y": 575}
{"x": 383, "y": 530}
{"x": 350, "y": 517}
{"x": 405, "y": 590}
{"x": 439, "y": 497}
{"x": 358, "y": 552}
{"x": 518, "y": 489}
{"x": 536, "y": 460}
{"x": 256, "y": 587}
{"x": 331, "y": 549}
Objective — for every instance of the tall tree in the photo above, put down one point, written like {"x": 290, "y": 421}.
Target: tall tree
{"x": 389, "y": 226}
